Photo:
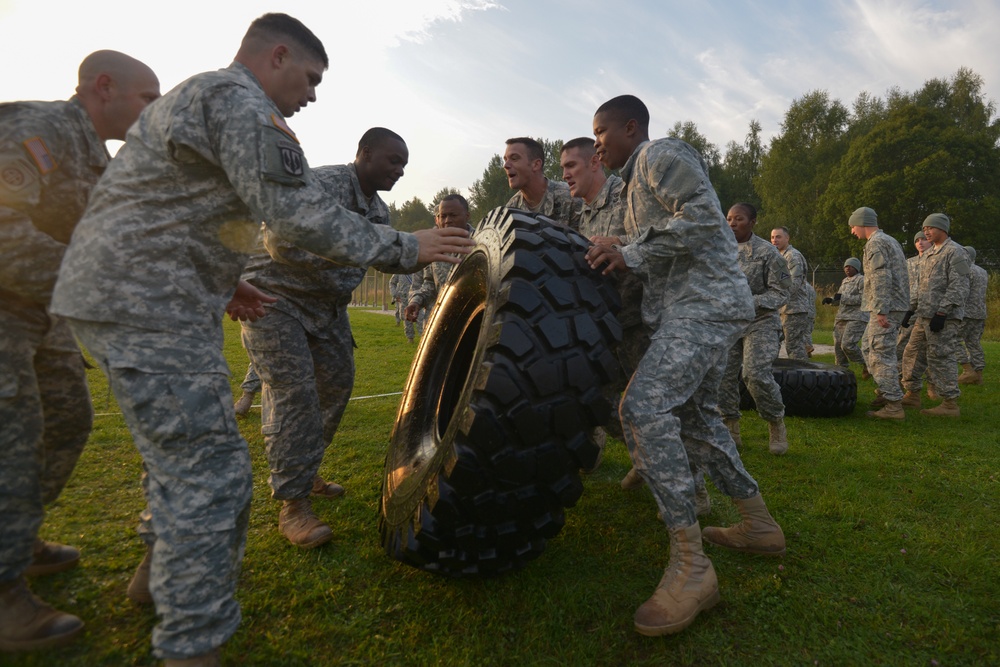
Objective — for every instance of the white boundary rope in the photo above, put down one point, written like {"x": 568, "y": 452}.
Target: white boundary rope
{"x": 353, "y": 398}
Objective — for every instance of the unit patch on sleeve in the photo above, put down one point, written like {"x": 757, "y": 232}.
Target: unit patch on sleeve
{"x": 43, "y": 158}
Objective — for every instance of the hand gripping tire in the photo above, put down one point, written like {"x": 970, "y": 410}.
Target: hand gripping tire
{"x": 811, "y": 389}
{"x": 506, "y": 387}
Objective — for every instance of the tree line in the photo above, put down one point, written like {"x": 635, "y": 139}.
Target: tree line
{"x": 906, "y": 155}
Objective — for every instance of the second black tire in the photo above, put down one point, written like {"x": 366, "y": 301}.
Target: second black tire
{"x": 496, "y": 417}
{"x": 811, "y": 389}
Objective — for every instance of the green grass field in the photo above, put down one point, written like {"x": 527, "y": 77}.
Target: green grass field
{"x": 892, "y": 552}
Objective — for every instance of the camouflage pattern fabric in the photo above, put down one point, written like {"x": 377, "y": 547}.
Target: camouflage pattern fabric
{"x": 913, "y": 273}
{"x": 944, "y": 288}
{"x": 50, "y": 158}
{"x": 754, "y": 354}
{"x": 886, "y": 291}
{"x": 163, "y": 242}
{"x": 303, "y": 350}
{"x": 197, "y": 480}
{"x": 399, "y": 285}
{"x": 795, "y": 313}
{"x": 972, "y": 327}
{"x": 698, "y": 303}
{"x": 850, "y": 321}
{"x": 557, "y": 204}
{"x": 251, "y": 381}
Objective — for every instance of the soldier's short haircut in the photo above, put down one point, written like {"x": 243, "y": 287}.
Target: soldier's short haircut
{"x": 586, "y": 143}
{"x": 748, "y": 207}
{"x": 625, "y": 108}
{"x": 785, "y": 230}
{"x": 454, "y": 196}
{"x": 376, "y": 137}
{"x": 277, "y": 25}
{"x": 535, "y": 150}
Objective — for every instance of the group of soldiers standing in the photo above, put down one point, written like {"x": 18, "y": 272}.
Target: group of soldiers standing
{"x": 140, "y": 257}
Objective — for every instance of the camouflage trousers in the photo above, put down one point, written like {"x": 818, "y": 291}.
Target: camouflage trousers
{"x": 307, "y": 382}
{"x": 934, "y": 353}
{"x": 798, "y": 334}
{"x": 410, "y": 329}
{"x": 970, "y": 348}
{"x": 46, "y": 415}
{"x": 847, "y": 335}
{"x": 251, "y": 381}
{"x": 879, "y": 349}
{"x": 671, "y": 420}
{"x": 754, "y": 355}
{"x": 901, "y": 340}
{"x": 635, "y": 342}
{"x": 197, "y": 480}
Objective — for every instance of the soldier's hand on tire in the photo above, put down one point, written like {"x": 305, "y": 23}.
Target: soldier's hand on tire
{"x": 443, "y": 245}
{"x": 606, "y": 255}
{"x": 906, "y": 319}
{"x": 937, "y": 322}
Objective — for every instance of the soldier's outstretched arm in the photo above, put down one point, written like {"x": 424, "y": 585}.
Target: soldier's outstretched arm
{"x": 442, "y": 245}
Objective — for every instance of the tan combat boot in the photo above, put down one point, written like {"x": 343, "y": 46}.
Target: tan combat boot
{"x": 911, "y": 399}
{"x": 632, "y": 480}
{"x": 50, "y": 557}
{"x": 778, "y": 443}
{"x": 204, "y": 660}
{"x": 892, "y": 410}
{"x": 947, "y": 408}
{"x": 138, "y": 587}
{"x": 932, "y": 392}
{"x": 970, "y": 375}
{"x": 879, "y": 400}
{"x": 734, "y": 430}
{"x": 27, "y": 623}
{"x": 243, "y": 405}
{"x": 757, "y": 533}
{"x": 299, "y": 524}
{"x": 688, "y": 587}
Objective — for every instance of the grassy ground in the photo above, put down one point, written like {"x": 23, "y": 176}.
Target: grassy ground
{"x": 892, "y": 553}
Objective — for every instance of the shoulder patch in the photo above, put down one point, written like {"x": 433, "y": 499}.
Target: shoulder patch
{"x": 283, "y": 126}
{"x": 40, "y": 153}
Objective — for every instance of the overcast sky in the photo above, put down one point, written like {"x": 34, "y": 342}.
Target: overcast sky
{"x": 457, "y": 77}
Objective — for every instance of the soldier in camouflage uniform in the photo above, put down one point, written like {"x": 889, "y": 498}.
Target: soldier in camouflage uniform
{"x": 303, "y": 350}
{"x": 970, "y": 350}
{"x": 524, "y": 162}
{"x": 795, "y": 315}
{"x": 250, "y": 388}
{"x": 939, "y": 307}
{"x": 850, "y": 321}
{"x": 602, "y": 221}
{"x": 754, "y": 353}
{"x": 921, "y": 243}
{"x": 885, "y": 298}
{"x": 399, "y": 285}
{"x": 51, "y": 155}
{"x": 698, "y": 303}
{"x": 452, "y": 211}
{"x": 153, "y": 267}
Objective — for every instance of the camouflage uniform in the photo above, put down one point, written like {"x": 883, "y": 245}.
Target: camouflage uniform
{"x": 944, "y": 288}
{"x": 913, "y": 273}
{"x": 162, "y": 245}
{"x": 698, "y": 303}
{"x": 970, "y": 351}
{"x": 886, "y": 291}
{"x": 303, "y": 349}
{"x": 767, "y": 274}
{"x": 50, "y": 158}
{"x": 400, "y": 284}
{"x": 557, "y": 204}
{"x": 251, "y": 381}
{"x": 795, "y": 314}
{"x": 850, "y": 322}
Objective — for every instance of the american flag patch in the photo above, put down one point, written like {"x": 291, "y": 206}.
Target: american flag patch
{"x": 283, "y": 126}
{"x": 43, "y": 158}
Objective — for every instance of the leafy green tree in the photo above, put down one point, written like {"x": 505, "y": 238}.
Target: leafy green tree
{"x": 441, "y": 194}
{"x": 553, "y": 152}
{"x": 739, "y": 169}
{"x": 688, "y": 132}
{"x": 796, "y": 170}
{"x": 491, "y": 190}
{"x": 410, "y": 216}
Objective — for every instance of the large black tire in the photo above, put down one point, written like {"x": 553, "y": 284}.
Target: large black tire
{"x": 506, "y": 387}
{"x": 811, "y": 389}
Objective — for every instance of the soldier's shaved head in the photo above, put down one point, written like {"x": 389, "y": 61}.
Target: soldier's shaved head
{"x": 114, "y": 88}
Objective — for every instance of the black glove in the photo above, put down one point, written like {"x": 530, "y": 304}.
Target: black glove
{"x": 937, "y": 322}
{"x": 836, "y": 297}
{"x": 906, "y": 319}
{"x": 827, "y": 301}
